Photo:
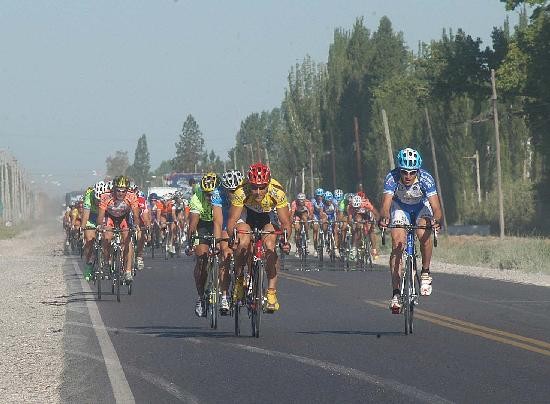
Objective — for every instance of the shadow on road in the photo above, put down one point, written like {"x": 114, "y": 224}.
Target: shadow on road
{"x": 377, "y": 334}
{"x": 181, "y": 332}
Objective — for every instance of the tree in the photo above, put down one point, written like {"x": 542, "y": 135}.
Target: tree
{"x": 139, "y": 171}
{"x": 117, "y": 164}
{"x": 190, "y": 148}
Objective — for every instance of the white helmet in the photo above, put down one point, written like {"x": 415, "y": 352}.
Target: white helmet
{"x": 356, "y": 201}
{"x": 231, "y": 179}
{"x": 301, "y": 196}
{"x": 99, "y": 189}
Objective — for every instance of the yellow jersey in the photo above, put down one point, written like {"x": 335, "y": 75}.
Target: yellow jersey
{"x": 275, "y": 197}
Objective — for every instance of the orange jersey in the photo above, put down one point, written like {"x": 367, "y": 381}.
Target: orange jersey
{"x": 116, "y": 208}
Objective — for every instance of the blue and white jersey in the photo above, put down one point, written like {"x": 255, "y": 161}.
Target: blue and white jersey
{"x": 330, "y": 209}
{"x": 318, "y": 207}
{"x": 221, "y": 198}
{"x": 421, "y": 189}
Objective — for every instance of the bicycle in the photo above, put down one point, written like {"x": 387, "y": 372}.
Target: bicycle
{"x": 254, "y": 294}
{"x": 116, "y": 265}
{"x": 211, "y": 294}
{"x": 301, "y": 245}
{"x": 364, "y": 251}
{"x": 410, "y": 282}
{"x": 320, "y": 242}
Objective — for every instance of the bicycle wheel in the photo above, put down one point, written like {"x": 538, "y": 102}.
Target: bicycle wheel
{"x": 98, "y": 264}
{"x": 117, "y": 272}
{"x": 321, "y": 246}
{"x": 407, "y": 296}
{"x": 214, "y": 295}
{"x": 257, "y": 298}
{"x": 368, "y": 254}
{"x": 303, "y": 252}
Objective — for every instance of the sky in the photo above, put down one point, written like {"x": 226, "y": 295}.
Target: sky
{"x": 80, "y": 80}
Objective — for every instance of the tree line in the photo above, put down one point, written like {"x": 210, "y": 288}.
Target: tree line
{"x": 329, "y": 129}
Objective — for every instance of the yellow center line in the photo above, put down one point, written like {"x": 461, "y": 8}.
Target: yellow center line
{"x": 303, "y": 279}
{"x": 480, "y": 331}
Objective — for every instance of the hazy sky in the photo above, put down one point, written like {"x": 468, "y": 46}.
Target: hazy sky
{"x": 82, "y": 79}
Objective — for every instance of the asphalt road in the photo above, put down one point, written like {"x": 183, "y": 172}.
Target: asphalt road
{"x": 333, "y": 340}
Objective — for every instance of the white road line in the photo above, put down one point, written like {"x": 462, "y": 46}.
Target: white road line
{"x": 407, "y": 391}
{"x": 119, "y": 383}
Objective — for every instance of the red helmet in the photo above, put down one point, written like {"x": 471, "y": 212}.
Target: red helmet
{"x": 259, "y": 174}
{"x": 361, "y": 194}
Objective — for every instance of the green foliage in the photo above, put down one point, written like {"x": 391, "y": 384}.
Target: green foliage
{"x": 117, "y": 164}
{"x": 190, "y": 148}
{"x": 450, "y": 79}
{"x": 139, "y": 170}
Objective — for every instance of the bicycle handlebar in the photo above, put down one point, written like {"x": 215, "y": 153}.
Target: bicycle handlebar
{"x": 408, "y": 227}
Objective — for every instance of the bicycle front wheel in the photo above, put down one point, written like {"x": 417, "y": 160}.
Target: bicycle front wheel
{"x": 257, "y": 298}
{"x": 408, "y": 296}
{"x": 214, "y": 296}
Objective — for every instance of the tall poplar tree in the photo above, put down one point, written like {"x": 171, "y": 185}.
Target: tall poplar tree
{"x": 139, "y": 171}
{"x": 190, "y": 148}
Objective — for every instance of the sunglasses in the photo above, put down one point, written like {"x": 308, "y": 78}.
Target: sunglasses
{"x": 121, "y": 190}
{"x": 408, "y": 172}
{"x": 260, "y": 187}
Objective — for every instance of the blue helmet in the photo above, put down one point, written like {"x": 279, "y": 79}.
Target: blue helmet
{"x": 319, "y": 192}
{"x": 153, "y": 196}
{"x": 327, "y": 197}
{"x": 338, "y": 195}
{"x": 409, "y": 159}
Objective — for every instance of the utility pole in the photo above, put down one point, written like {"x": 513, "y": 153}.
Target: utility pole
{"x": 303, "y": 179}
{"x": 388, "y": 139}
{"x": 436, "y": 170}
{"x": 266, "y": 156}
{"x": 499, "y": 169}
{"x": 476, "y": 158}
{"x": 358, "y": 154}
{"x": 333, "y": 160}
{"x": 311, "y": 171}
{"x": 235, "y": 158}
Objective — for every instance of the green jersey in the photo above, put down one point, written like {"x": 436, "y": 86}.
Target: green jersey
{"x": 200, "y": 205}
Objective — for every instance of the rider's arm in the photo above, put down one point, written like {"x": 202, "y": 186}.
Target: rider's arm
{"x": 436, "y": 207}
{"x": 85, "y": 217}
{"x": 193, "y": 222}
{"x": 218, "y": 220}
{"x": 386, "y": 205}
{"x": 284, "y": 218}
{"x": 234, "y": 215}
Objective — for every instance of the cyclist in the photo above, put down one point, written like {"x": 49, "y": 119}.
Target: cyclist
{"x": 168, "y": 220}
{"x": 231, "y": 179}
{"x": 409, "y": 189}
{"x": 301, "y": 210}
{"x": 156, "y": 207}
{"x": 363, "y": 212}
{"x": 259, "y": 203}
{"x": 92, "y": 197}
{"x": 144, "y": 221}
{"x": 113, "y": 212}
{"x": 330, "y": 209}
{"x": 318, "y": 215}
{"x": 204, "y": 219}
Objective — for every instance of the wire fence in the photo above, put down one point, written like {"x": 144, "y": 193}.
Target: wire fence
{"x": 18, "y": 201}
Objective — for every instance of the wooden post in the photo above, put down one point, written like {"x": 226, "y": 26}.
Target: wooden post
{"x": 388, "y": 139}
{"x": 478, "y": 181}
{"x": 358, "y": 154}
{"x": 440, "y": 191}
{"x": 499, "y": 169}
{"x": 333, "y": 160}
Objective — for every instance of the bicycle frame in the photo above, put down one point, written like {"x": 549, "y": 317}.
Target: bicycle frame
{"x": 410, "y": 283}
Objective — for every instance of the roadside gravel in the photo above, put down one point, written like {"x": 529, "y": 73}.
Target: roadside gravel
{"x": 32, "y": 316}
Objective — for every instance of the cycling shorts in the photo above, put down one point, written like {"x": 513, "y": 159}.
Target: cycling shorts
{"x": 401, "y": 212}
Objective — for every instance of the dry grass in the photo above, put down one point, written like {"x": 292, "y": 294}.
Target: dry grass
{"x": 527, "y": 254}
